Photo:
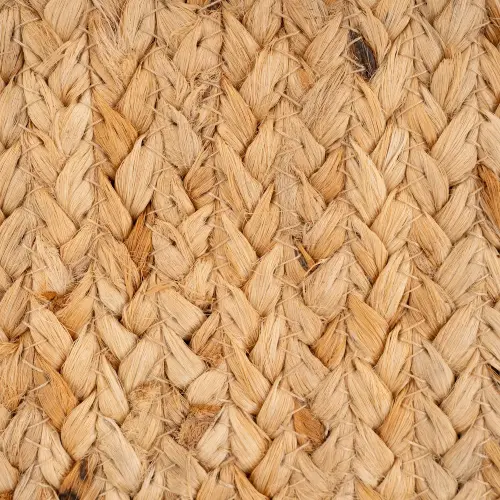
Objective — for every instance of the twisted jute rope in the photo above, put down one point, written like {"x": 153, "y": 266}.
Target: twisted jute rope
{"x": 249, "y": 249}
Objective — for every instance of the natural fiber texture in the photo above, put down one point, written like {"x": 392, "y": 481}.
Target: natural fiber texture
{"x": 249, "y": 249}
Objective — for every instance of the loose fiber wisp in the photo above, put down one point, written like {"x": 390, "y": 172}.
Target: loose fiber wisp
{"x": 249, "y": 249}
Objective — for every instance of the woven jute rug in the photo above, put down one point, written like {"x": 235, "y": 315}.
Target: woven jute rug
{"x": 249, "y": 249}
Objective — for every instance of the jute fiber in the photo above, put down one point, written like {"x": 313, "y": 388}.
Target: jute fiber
{"x": 249, "y": 249}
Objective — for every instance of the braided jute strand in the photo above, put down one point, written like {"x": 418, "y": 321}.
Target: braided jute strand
{"x": 249, "y": 249}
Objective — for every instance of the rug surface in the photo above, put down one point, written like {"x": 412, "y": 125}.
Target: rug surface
{"x": 249, "y": 249}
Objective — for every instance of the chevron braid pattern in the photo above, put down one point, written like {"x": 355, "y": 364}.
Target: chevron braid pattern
{"x": 249, "y": 249}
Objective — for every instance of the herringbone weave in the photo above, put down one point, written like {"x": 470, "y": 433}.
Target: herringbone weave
{"x": 249, "y": 249}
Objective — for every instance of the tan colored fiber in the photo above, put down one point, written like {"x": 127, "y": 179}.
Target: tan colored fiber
{"x": 249, "y": 249}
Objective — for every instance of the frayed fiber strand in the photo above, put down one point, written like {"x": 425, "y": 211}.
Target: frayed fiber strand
{"x": 249, "y": 249}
